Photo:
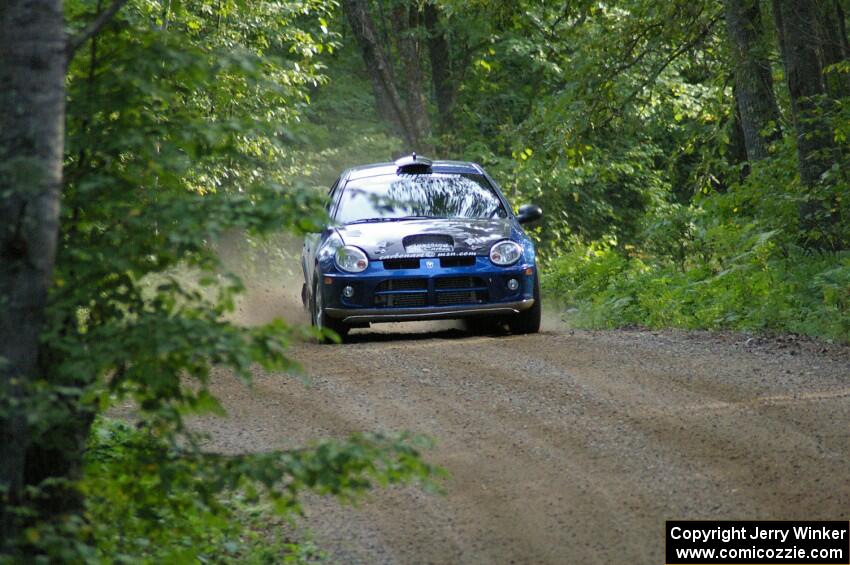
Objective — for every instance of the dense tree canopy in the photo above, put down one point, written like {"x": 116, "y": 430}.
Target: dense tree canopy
{"x": 175, "y": 134}
{"x": 691, "y": 156}
{"x": 693, "y": 149}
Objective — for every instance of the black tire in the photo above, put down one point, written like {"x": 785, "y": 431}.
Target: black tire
{"x": 320, "y": 320}
{"x": 528, "y": 321}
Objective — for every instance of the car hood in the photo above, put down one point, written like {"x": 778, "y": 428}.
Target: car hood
{"x": 426, "y": 237}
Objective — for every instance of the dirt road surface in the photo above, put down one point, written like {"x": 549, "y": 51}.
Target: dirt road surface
{"x": 563, "y": 447}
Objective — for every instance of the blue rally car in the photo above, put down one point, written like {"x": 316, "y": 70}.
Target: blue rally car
{"x": 421, "y": 240}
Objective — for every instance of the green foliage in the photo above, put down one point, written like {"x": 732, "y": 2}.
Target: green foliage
{"x": 172, "y": 140}
{"x": 731, "y": 258}
{"x": 190, "y": 121}
{"x": 652, "y": 218}
{"x": 600, "y": 133}
{"x": 340, "y": 128}
{"x": 154, "y": 502}
{"x": 179, "y": 134}
{"x": 762, "y": 288}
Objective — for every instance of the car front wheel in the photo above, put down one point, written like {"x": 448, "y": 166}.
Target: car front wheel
{"x": 320, "y": 319}
{"x": 528, "y": 321}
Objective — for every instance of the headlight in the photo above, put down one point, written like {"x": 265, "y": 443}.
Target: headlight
{"x": 351, "y": 259}
{"x": 505, "y": 253}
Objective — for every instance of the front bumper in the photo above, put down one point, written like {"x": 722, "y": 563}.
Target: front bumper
{"x": 427, "y": 290}
{"x": 374, "y": 315}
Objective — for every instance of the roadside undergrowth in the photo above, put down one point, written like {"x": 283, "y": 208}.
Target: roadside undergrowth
{"x": 151, "y": 501}
{"x": 764, "y": 288}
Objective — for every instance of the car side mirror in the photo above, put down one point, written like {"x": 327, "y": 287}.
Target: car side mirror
{"x": 529, "y": 213}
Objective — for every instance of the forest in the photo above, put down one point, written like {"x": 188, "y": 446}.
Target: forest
{"x": 691, "y": 158}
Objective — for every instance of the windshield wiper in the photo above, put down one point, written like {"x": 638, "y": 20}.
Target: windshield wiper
{"x": 391, "y": 219}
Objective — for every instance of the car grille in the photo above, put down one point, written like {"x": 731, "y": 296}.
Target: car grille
{"x": 402, "y": 293}
{"x": 447, "y": 291}
{"x": 452, "y": 297}
{"x": 403, "y": 284}
{"x": 462, "y": 261}
{"x": 459, "y": 282}
{"x": 402, "y": 300}
{"x": 401, "y": 263}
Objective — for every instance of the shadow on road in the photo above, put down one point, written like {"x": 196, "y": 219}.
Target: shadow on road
{"x": 403, "y": 334}
{"x": 422, "y": 331}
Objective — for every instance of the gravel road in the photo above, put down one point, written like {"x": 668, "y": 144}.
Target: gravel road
{"x": 563, "y": 447}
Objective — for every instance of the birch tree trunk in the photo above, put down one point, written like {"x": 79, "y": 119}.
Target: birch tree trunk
{"x": 32, "y": 112}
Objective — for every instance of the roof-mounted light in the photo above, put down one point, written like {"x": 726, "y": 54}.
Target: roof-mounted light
{"x": 413, "y": 164}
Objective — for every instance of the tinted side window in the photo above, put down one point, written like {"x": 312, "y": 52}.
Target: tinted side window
{"x": 332, "y": 194}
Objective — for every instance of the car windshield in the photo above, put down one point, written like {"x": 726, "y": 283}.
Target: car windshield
{"x": 432, "y": 195}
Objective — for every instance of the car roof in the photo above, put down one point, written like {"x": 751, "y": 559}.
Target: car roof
{"x": 377, "y": 169}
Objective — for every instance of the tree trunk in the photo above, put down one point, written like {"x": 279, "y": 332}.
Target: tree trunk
{"x": 759, "y": 113}
{"x": 32, "y": 113}
{"x": 842, "y": 26}
{"x": 796, "y": 20}
{"x": 387, "y": 98}
{"x": 406, "y": 24}
{"x": 441, "y": 66}
{"x": 832, "y": 43}
{"x": 737, "y": 147}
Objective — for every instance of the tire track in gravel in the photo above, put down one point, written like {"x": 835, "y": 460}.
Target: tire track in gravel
{"x": 562, "y": 447}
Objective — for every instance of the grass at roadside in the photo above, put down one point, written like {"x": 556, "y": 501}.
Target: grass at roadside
{"x": 165, "y": 513}
{"x": 149, "y": 500}
{"x": 761, "y": 290}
